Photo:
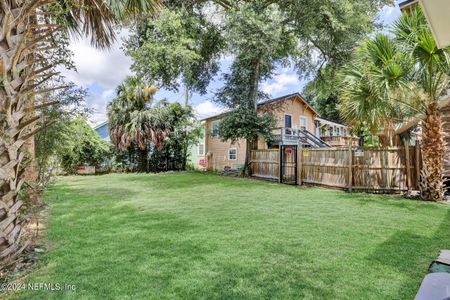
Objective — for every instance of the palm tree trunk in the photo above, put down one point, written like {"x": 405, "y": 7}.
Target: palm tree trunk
{"x": 432, "y": 183}
{"x": 143, "y": 160}
{"x": 15, "y": 72}
{"x": 23, "y": 66}
{"x": 389, "y": 133}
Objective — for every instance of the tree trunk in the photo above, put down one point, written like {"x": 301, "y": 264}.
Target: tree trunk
{"x": 389, "y": 134}
{"x": 185, "y": 156}
{"x": 186, "y": 96}
{"x": 251, "y": 143}
{"x": 432, "y": 183}
{"x": 143, "y": 160}
{"x": 23, "y": 67}
{"x": 16, "y": 71}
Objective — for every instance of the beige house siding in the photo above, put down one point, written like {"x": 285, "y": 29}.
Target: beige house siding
{"x": 296, "y": 108}
{"x": 217, "y": 150}
{"x": 445, "y": 115}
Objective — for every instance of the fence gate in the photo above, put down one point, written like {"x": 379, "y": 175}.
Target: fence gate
{"x": 288, "y": 164}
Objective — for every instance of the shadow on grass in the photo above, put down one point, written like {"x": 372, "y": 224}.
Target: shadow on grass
{"x": 395, "y": 201}
{"x": 411, "y": 254}
{"x": 183, "y": 180}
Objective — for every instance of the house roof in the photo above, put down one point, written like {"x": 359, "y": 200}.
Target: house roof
{"x": 402, "y": 127}
{"x": 285, "y": 97}
{"x": 330, "y": 122}
{"x": 407, "y": 3}
{"x": 100, "y": 125}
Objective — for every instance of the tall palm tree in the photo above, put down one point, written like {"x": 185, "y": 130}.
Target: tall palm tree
{"x": 131, "y": 123}
{"x": 29, "y": 32}
{"x": 392, "y": 78}
{"x": 431, "y": 73}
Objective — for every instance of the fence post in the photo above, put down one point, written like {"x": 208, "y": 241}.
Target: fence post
{"x": 280, "y": 162}
{"x": 417, "y": 164}
{"x": 350, "y": 167}
{"x": 408, "y": 169}
{"x": 299, "y": 162}
{"x": 383, "y": 158}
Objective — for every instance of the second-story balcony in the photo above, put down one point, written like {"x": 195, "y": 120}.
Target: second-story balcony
{"x": 292, "y": 136}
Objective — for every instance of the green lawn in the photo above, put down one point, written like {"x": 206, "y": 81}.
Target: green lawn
{"x": 190, "y": 235}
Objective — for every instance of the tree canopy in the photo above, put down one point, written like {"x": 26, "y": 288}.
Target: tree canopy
{"x": 50, "y": 144}
{"x": 177, "y": 47}
{"x": 186, "y": 42}
{"x": 188, "y": 39}
{"x": 149, "y": 136}
{"x": 82, "y": 146}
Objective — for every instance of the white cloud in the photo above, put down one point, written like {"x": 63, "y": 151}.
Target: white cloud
{"x": 389, "y": 14}
{"x": 280, "y": 83}
{"x": 99, "y": 70}
{"x": 98, "y": 103}
{"x": 106, "y": 68}
{"x": 207, "y": 109}
{"x": 388, "y": 10}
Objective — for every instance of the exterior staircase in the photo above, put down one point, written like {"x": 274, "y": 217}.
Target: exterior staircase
{"x": 292, "y": 136}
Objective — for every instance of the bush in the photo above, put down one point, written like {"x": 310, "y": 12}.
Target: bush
{"x": 83, "y": 146}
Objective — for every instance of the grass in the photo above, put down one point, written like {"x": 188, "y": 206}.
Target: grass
{"x": 190, "y": 235}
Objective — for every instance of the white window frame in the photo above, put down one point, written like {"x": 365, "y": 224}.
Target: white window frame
{"x": 236, "y": 154}
{"x": 203, "y": 148}
{"x": 300, "y": 122}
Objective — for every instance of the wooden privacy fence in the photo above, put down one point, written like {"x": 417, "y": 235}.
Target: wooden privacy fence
{"x": 371, "y": 169}
{"x": 266, "y": 164}
{"x": 324, "y": 166}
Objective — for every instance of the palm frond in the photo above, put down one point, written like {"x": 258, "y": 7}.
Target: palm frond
{"x": 431, "y": 64}
{"x": 92, "y": 18}
{"x": 126, "y": 9}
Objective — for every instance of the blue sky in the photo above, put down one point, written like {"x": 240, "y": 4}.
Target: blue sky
{"x": 100, "y": 71}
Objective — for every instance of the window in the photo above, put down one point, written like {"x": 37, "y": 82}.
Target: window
{"x": 215, "y": 127}
{"x": 288, "y": 121}
{"x": 338, "y": 133}
{"x": 303, "y": 123}
{"x": 232, "y": 154}
{"x": 201, "y": 149}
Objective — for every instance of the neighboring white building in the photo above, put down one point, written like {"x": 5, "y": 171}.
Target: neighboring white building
{"x": 334, "y": 134}
{"x": 326, "y": 128}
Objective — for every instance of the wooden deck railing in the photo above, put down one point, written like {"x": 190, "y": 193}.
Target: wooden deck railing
{"x": 292, "y": 136}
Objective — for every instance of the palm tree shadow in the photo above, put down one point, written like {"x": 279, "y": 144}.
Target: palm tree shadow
{"x": 411, "y": 255}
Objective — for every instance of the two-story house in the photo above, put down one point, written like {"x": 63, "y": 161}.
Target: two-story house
{"x": 297, "y": 121}
{"x": 292, "y": 112}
